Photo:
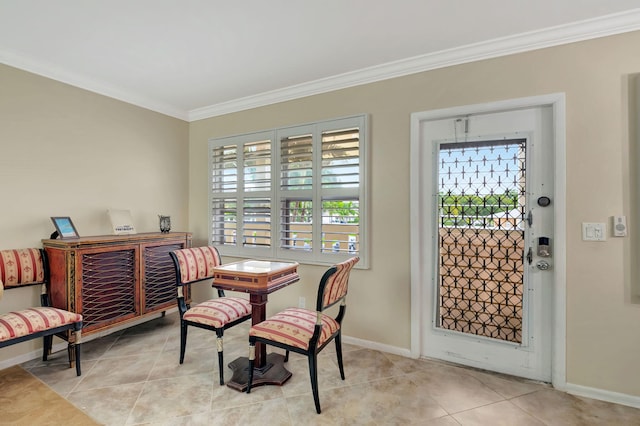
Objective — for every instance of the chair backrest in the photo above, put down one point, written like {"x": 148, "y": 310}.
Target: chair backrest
{"x": 195, "y": 264}
{"x": 22, "y": 267}
{"x": 334, "y": 283}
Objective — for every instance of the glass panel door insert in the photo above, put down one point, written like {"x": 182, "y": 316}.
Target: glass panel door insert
{"x": 481, "y": 240}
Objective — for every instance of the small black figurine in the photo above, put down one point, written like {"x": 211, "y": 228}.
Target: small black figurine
{"x": 165, "y": 223}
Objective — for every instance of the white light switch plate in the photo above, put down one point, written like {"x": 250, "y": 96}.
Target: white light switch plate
{"x": 594, "y": 231}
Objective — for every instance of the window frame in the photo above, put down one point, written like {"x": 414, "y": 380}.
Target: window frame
{"x": 278, "y": 196}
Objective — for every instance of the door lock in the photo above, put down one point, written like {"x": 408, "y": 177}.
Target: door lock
{"x": 530, "y": 255}
{"x": 544, "y": 247}
{"x": 543, "y": 265}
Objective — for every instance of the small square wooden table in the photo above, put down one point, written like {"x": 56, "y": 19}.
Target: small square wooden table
{"x": 258, "y": 278}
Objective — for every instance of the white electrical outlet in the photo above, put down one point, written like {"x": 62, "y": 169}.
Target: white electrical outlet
{"x": 301, "y": 302}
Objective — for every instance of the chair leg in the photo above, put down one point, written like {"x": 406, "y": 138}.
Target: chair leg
{"x": 183, "y": 340}
{"x": 286, "y": 357}
{"x": 77, "y": 353}
{"x": 71, "y": 354}
{"x": 339, "y": 353}
{"x": 252, "y": 358}
{"x": 46, "y": 347}
{"x": 220, "y": 355}
{"x": 313, "y": 373}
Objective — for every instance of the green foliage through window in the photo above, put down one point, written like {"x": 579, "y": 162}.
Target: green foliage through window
{"x": 480, "y": 210}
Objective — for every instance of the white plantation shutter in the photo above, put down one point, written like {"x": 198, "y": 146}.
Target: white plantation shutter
{"x": 257, "y": 166}
{"x": 311, "y": 178}
{"x": 224, "y": 221}
{"x": 296, "y": 162}
{"x": 224, "y": 169}
{"x": 296, "y": 188}
{"x": 256, "y": 206}
{"x": 241, "y": 192}
{"x": 224, "y": 184}
{"x": 341, "y": 159}
{"x": 340, "y": 179}
{"x": 256, "y": 220}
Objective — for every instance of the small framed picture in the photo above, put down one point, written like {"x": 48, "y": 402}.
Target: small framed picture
{"x": 65, "y": 227}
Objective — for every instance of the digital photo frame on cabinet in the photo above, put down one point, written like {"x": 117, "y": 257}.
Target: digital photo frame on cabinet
{"x": 64, "y": 227}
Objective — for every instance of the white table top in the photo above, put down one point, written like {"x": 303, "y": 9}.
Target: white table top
{"x": 256, "y": 266}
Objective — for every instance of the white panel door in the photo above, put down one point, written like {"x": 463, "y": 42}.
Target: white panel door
{"x": 487, "y": 240}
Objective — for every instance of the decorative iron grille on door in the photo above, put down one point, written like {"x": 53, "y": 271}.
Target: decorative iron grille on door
{"x": 481, "y": 190}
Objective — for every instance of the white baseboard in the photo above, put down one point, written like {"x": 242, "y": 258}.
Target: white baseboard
{"x": 62, "y": 346}
{"x": 578, "y": 390}
{"x": 377, "y": 346}
{"x": 603, "y": 395}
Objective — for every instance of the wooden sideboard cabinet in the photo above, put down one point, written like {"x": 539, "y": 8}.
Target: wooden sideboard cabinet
{"x": 114, "y": 279}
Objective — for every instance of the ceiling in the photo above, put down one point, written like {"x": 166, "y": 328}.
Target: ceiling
{"x": 193, "y": 59}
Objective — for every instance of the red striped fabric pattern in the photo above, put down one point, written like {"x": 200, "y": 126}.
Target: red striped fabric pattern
{"x": 294, "y": 327}
{"x": 21, "y": 267}
{"x": 32, "y": 320}
{"x": 337, "y": 284}
{"x": 218, "y": 312}
{"x": 197, "y": 263}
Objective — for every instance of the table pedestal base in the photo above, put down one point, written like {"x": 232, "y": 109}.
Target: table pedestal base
{"x": 273, "y": 372}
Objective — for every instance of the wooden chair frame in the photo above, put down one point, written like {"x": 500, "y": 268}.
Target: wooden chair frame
{"x": 183, "y": 307}
{"x": 313, "y": 348}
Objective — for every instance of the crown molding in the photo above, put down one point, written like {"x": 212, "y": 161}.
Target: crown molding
{"x": 54, "y": 72}
{"x": 553, "y": 36}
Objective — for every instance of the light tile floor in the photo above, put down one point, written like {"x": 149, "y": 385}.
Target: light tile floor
{"x": 133, "y": 377}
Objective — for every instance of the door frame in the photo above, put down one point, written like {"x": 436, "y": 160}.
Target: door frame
{"x": 419, "y": 274}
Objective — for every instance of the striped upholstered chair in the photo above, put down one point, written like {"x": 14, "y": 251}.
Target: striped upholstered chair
{"x": 195, "y": 265}
{"x": 305, "y": 331}
{"x": 27, "y": 267}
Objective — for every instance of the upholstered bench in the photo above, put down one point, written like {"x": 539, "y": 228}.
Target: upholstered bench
{"x": 24, "y": 267}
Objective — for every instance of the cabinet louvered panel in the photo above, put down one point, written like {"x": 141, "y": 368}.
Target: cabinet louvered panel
{"x": 108, "y": 286}
{"x": 159, "y": 276}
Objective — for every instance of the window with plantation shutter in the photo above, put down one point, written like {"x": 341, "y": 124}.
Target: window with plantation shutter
{"x": 224, "y": 221}
{"x": 296, "y": 163}
{"x": 296, "y": 188}
{"x": 241, "y": 191}
{"x": 257, "y": 166}
{"x": 224, "y": 184}
{"x": 294, "y": 193}
{"x": 340, "y": 178}
{"x": 256, "y": 209}
{"x": 341, "y": 159}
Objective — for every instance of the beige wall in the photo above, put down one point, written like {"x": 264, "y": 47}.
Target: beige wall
{"x": 68, "y": 152}
{"x": 603, "y": 312}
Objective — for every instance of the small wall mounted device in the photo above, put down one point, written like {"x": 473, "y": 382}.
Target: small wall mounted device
{"x": 619, "y": 226}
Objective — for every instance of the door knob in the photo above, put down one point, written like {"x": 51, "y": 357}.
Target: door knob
{"x": 543, "y": 265}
